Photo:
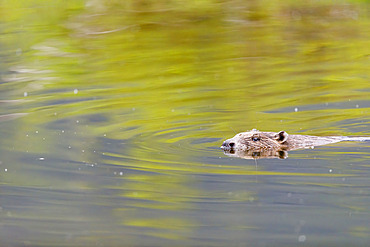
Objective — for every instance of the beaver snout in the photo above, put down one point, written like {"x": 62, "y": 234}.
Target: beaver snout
{"x": 228, "y": 145}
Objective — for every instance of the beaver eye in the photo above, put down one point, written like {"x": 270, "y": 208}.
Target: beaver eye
{"x": 255, "y": 139}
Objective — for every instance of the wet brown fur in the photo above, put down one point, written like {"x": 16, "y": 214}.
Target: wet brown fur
{"x": 259, "y": 141}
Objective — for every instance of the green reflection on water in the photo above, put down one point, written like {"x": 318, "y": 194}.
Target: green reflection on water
{"x": 139, "y": 86}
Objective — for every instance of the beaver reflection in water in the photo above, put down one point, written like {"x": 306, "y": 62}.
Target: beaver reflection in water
{"x": 256, "y": 144}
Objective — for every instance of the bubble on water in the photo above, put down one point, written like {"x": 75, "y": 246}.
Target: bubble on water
{"x": 36, "y": 131}
{"x": 41, "y": 158}
{"x": 25, "y": 94}
{"x": 330, "y": 170}
{"x": 302, "y": 238}
{"x": 296, "y": 109}
{"x": 121, "y": 173}
{"x": 75, "y": 91}
{"x": 5, "y": 170}
{"x": 357, "y": 106}
{"x": 18, "y": 52}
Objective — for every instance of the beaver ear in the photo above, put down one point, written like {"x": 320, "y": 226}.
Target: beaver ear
{"x": 282, "y": 136}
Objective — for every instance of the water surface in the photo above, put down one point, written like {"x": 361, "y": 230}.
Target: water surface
{"x": 112, "y": 115}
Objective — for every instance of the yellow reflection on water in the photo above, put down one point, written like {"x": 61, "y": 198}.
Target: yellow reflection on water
{"x": 149, "y": 89}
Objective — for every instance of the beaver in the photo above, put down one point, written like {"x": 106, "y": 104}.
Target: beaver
{"x": 256, "y": 144}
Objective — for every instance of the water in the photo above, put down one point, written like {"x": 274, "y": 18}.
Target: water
{"x": 112, "y": 115}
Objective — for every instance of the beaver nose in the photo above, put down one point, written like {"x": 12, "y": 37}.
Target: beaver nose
{"x": 227, "y": 145}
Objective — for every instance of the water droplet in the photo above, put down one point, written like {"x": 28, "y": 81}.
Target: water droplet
{"x": 41, "y": 158}
{"x": 296, "y": 109}
{"x": 25, "y": 94}
{"x": 75, "y": 91}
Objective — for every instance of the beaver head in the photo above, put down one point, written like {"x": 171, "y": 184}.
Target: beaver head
{"x": 256, "y": 141}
